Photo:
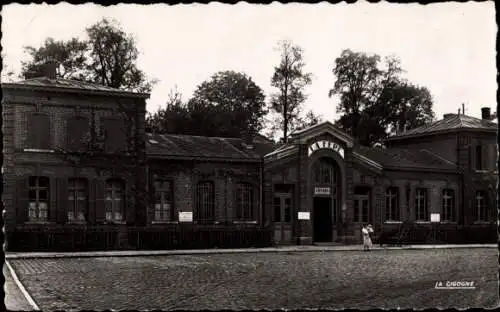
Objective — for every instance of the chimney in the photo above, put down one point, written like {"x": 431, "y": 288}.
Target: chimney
{"x": 50, "y": 69}
{"x": 486, "y": 113}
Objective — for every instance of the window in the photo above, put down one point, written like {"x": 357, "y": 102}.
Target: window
{"x": 421, "y": 204}
{"x": 205, "y": 202}
{"x": 448, "y": 205}
{"x": 114, "y": 134}
{"x": 77, "y": 131}
{"x": 479, "y": 157}
{"x": 481, "y": 206}
{"x": 244, "y": 202}
{"x": 38, "y": 198}
{"x": 77, "y": 199}
{"x": 325, "y": 172}
{"x": 39, "y": 131}
{"x": 114, "y": 200}
{"x": 392, "y": 203}
{"x": 164, "y": 201}
{"x": 362, "y": 207}
{"x": 282, "y": 208}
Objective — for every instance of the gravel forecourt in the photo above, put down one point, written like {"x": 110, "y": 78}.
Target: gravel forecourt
{"x": 292, "y": 280}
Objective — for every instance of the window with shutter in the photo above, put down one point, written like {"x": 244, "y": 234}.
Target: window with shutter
{"x": 77, "y": 132}
{"x": 115, "y": 136}
{"x": 479, "y": 157}
{"x": 39, "y": 131}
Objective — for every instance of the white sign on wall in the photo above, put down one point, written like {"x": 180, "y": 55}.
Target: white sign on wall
{"x": 435, "y": 217}
{"x": 321, "y": 191}
{"x": 304, "y": 215}
{"x": 185, "y": 216}
{"x": 326, "y": 144}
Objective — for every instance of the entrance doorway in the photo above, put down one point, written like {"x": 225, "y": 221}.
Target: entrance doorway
{"x": 282, "y": 218}
{"x": 322, "y": 219}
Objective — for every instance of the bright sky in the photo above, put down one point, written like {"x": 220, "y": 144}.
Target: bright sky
{"x": 447, "y": 47}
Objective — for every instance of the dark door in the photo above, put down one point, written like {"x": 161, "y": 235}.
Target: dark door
{"x": 322, "y": 219}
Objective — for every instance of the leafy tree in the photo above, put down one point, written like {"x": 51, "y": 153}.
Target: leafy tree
{"x": 71, "y": 56}
{"x": 290, "y": 80}
{"x": 107, "y": 57}
{"x": 173, "y": 118}
{"x": 375, "y": 100}
{"x": 230, "y": 104}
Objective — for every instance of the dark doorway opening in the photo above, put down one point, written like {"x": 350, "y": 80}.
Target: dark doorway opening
{"x": 322, "y": 222}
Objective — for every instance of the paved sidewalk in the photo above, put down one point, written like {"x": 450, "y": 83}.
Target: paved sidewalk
{"x": 131, "y": 253}
{"x": 14, "y": 298}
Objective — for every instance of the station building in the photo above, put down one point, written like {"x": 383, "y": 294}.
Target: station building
{"x": 76, "y": 156}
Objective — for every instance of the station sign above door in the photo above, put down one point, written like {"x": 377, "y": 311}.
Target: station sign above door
{"x": 321, "y": 191}
{"x": 326, "y": 144}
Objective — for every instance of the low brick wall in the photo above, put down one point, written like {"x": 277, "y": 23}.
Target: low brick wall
{"x": 418, "y": 233}
{"x": 175, "y": 236}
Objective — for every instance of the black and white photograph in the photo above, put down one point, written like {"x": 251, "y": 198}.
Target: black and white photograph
{"x": 281, "y": 156}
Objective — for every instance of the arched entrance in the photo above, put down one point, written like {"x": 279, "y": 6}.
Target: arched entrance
{"x": 327, "y": 194}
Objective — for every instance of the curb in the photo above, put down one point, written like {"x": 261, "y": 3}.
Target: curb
{"x": 23, "y": 290}
{"x": 143, "y": 253}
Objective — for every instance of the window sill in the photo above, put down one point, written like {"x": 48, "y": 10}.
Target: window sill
{"x": 38, "y": 150}
{"x": 115, "y": 222}
{"x": 39, "y": 222}
{"x": 245, "y": 222}
{"x": 483, "y": 222}
{"x": 393, "y": 222}
{"x": 164, "y": 222}
{"x": 423, "y": 222}
{"x": 77, "y": 222}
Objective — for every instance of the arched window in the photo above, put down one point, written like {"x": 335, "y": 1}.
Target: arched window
{"x": 392, "y": 204}
{"x": 244, "y": 202}
{"x": 205, "y": 206}
{"x": 326, "y": 171}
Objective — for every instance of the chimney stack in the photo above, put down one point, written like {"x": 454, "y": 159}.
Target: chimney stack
{"x": 486, "y": 113}
{"x": 50, "y": 70}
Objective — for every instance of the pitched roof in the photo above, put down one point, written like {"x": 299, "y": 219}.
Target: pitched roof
{"x": 405, "y": 158}
{"x": 66, "y": 85}
{"x": 449, "y": 123}
{"x": 190, "y": 146}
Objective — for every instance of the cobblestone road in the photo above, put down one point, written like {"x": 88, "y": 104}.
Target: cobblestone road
{"x": 341, "y": 279}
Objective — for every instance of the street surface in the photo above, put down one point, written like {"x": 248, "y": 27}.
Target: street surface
{"x": 291, "y": 280}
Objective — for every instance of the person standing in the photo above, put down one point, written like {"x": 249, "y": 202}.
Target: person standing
{"x": 366, "y": 238}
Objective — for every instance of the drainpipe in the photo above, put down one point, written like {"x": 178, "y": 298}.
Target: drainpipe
{"x": 261, "y": 210}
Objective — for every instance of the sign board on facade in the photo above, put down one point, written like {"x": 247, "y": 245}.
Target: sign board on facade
{"x": 304, "y": 215}
{"x": 435, "y": 217}
{"x": 185, "y": 216}
{"x": 321, "y": 191}
{"x": 326, "y": 144}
